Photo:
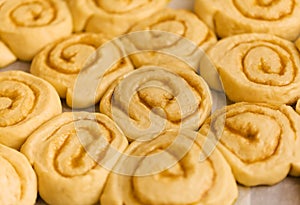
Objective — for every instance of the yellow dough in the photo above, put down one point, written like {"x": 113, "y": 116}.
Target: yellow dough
{"x": 62, "y": 61}
{"x": 183, "y": 178}
{"x": 26, "y": 26}
{"x": 72, "y": 154}
{"x": 111, "y": 17}
{"x": 6, "y": 57}
{"x": 255, "y": 68}
{"x": 260, "y": 141}
{"x": 181, "y": 23}
{"x": 18, "y": 181}
{"x": 26, "y": 102}
{"x": 151, "y": 99}
{"x": 231, "y": 17}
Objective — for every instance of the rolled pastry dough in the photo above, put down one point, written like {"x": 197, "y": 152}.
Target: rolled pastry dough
{"x": 26, "y": 26}
{"x": 231, "y": 17}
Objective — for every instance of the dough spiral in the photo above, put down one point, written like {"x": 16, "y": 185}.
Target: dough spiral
{"x": 26, "y": 26}
{"x": 26, "y": 102}
{"x": 62, "y": 61}
{"x": 113, "y": 17}
{"x": 18, "y": 180}
{"x": 255, "y": 68}
{"x": 184, "y": 24}
{"x": 153, "y": 99}
{"x": 186, "y": 180}
{"x": 258, "y": 141}
{"x": 67, "y": 174}
{"x": 231, "y": 17}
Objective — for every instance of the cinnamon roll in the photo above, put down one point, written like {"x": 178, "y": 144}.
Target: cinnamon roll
{"x": 26, "y": 102}
{"x": 181, "y": 23}
{"x": 255, "y": 68}
{"x": 18, "y": 180}
{"x": 183, "y": 179}
{"x": 258, "y": 141}
{"x": 151, "y": 99}
{"x": 26, "y": 26}
{"x": 71, "y": 155}
{"x": 62, "y": 61}
{"x": 113, "y": 17}
{"x": 6, "y": 57}
{"x": 231, "y": 17}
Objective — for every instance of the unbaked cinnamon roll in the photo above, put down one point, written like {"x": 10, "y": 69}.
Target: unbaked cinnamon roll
{"x": 113, "y": 17}
{"x": 151, "y": 99}
{"x": 26, "y": 102}
{"x": 259, "y": 141}
{"x": 62, "y": 61}
{"x": 72, "y": 154}
{"x": 230, "y": 17}
{"x": 195, "y": 37}
{"x": 168, "y": 170}
{"x": 26, "y": 26}
{"x": 6, "y": 57}
{"x": 18, "y": 180}
{"x": 255, "y": 68}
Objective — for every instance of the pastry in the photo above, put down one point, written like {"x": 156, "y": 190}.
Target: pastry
{"x": 112, "y": 18}
{"x": 231, "y": 17}
{"x": 18, "y": 180}
{"x": 62, "y": 61}
{"x": 26, "y": 102}
{"x": 168, "y": 170}
{"x": 6, "y": 57}
{"x": 258, "y": 141}
{"x": 26, "y": 26}
{"x": 188, "y": 30}
{"x": 151, "y": 99}
{"x": 255, "y": 68}
{"x": 72, "y": 155}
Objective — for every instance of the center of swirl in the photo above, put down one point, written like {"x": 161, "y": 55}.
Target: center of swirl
{"x": 5, "y": 103}
{"x": 170, "y": 26}
{"x": 184, "y": 173}
{"x": 265, "y": 9}
{"x": 252, "y": 137}
{"x": 268, "y": 66}
{"x": 33, "y": 14}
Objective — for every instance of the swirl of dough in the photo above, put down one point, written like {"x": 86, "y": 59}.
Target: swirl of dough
{"x": 60, "y": 153}
{"x": 26, "y": 102}
{"x": 61, "y": 62}
{"x": 186, "y": 180}
{"x": 153, "y": 99}
{"x": 258, "y": 141}
{"x": 113, "y": 17}
{"x": 184, "y": 24}
{"x": 231, "y": 17}
{"x": 18, "y": 180}
{"x": 256, "y": 68}
{"x": 26, "y": 26}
